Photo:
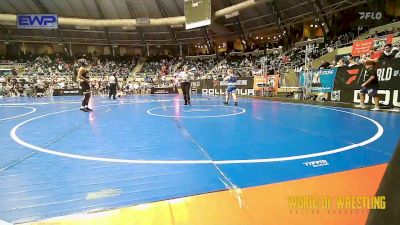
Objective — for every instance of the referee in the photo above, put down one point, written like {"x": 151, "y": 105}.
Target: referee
{"x": 184, "y": 77}
{"x": 112, "y": 83}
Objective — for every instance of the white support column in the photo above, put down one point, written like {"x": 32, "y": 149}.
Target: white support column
{"x": 70, "y": 49}
{"x": 23, "y": 48}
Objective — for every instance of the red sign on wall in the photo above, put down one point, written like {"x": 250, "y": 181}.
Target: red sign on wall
{"x": 364, "y": 46}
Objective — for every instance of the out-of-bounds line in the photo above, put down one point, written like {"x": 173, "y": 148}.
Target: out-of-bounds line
{"x": 2, "y": 222}
{"x": 46, "y": 145}
{"x": 13, "y": 117}
{"x": 68, "y": 132}
{"x": 24, "y": 104}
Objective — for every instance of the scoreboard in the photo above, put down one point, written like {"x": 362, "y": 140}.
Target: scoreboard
{"x": 197, "y": 13}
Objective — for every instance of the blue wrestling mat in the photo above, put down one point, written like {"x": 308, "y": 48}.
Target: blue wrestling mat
{"x": 57, "y": 160}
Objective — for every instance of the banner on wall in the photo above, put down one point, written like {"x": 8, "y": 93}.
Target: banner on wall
{"x": 322, "y": 80}
{"x": 266, "y": 82}
{"x": 259, "y": 82}
{"x": 244, "y": 86}
{"x": 364, "y": 46}
{"x": 348, "y": 83}
{"x": 164, "y": 90}
{"x": 66, "y": 92}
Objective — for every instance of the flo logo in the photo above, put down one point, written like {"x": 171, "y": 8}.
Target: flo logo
{"x": 370, "y": 15}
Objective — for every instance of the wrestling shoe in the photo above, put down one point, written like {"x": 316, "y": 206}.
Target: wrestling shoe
{"x": 361, "y": 106}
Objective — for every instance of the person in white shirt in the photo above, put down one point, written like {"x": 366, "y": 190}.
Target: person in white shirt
{"x": 397, "y": 55}
{"x": 184, "y": 78}
{"x": 112, "y": 83}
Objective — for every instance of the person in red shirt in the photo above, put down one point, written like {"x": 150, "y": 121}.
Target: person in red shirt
{"x": 375, "y": 54}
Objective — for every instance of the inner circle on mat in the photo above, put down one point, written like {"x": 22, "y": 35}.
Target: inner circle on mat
{"x": 13, "y": 116}
{"x": 196, "y": 111}
{"x": 76, "y": 151}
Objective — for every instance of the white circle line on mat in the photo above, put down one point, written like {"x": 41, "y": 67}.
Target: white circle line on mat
{"x": 197, "y": 117}
{"x": 375, "y": 137}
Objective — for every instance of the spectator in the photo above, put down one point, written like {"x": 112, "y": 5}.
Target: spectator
{"x": 324, "y": 65}
{"x": 388, "y": 52}
{"x": 398, "y": 53}
{"x": 370, "y": 86}
{"x": 352, "y": 62}
{"x": 14, "y": 71}
{"x": 340, "y": 63}
{"x": 375, "y": 54}
{"x": 333, "y": 64}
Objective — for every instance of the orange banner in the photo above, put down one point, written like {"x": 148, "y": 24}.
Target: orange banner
{"x": 259, "y": 82}
{"x": 273, "y": 83}
{"x": 266, "y": 82}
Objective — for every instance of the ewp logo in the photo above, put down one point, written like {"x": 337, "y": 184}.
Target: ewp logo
{"x": 37, "y": 21}
{"x": 370, "y": 15}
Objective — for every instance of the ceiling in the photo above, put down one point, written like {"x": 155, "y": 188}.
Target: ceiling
{"x": 260, "y": 19}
